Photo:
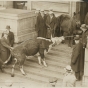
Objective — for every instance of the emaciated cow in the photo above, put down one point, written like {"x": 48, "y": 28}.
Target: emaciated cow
{"x": 29, "y": 48}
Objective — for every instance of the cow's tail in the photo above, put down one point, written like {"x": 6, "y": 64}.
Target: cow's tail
{"x": 7, "y": 59}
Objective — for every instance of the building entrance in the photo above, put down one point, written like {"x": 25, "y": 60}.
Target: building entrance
{"x": 83, "y": 10}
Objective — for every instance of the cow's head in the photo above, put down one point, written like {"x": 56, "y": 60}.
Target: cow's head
{"x": 57, "y": 40}
{"x": 45, "y": 42}
{"x": 49, "y": 42}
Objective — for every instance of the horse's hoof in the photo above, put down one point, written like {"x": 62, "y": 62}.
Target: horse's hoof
{"x": 12, "y": 75}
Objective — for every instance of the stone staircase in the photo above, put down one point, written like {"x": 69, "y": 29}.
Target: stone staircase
{"x": 58, "y": 57}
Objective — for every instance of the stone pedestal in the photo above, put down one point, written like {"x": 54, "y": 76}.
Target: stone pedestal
{"x": 22, "y": 23}
{"x": 85, "y": 78}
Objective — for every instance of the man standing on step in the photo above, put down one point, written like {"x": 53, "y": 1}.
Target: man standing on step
{"x": 77, "y": 62}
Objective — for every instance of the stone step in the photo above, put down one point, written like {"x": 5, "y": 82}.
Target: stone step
{"x": 58, "y": 59}
{"x": 58, "y": 54}
{"x": 49, "y": 62}
{"x": 18, "y": 80}
{"x": 49, "y": 68}
{"x": 33, "y": 74}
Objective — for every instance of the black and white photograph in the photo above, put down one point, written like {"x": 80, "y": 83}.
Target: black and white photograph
{"x": 43, "y": 43}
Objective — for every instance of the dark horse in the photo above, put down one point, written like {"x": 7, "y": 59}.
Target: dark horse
{"x": 67, "y": 26}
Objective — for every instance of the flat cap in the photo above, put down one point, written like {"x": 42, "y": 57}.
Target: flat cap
{"x": 76, "y": 38}
{"x": 52, "y": 80}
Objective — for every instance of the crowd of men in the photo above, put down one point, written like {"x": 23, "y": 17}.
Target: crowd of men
{"x": 45, "y": 24}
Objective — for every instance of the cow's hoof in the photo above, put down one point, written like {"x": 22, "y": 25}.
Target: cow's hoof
{"x": 2, "y": 70}
{"x": 12, "y": 75}
{"x": 24, "y": 74}
{"x": 45, "y": 65}
{"x": 40, "y": 63}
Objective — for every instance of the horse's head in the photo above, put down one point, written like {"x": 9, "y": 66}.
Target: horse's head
{"x": 77, "y": 19}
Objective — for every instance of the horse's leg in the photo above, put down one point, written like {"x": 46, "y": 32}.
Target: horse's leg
{"x": 21, "y": 64}
{"x": 41, "y": 52}
{"x": 13, "y": 66}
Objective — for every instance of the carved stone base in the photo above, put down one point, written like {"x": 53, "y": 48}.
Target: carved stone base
{"x": 85, "y": 81}
{"x": 22, "y": 23}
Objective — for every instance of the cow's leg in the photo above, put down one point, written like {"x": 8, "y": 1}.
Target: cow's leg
{"x": 44, "y": 62}
{"x": 39, "y": 60}
{"x": 21, "y": 64}
{"x": 13, "y": 66}
{"x": 22, "y": 71}
{"x": 41, "y": 52}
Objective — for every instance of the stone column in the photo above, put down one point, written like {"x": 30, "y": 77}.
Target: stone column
{"x": 85, "y": 78}
{"x": 72, "y": 7}
{"x": 28, "y": 5}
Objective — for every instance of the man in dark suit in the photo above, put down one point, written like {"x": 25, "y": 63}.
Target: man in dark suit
{"x": 51, "y": 24}
{"x": 41, "y": 25}
{"x": 10, "y": 35}
{"x": 77, "y": 62}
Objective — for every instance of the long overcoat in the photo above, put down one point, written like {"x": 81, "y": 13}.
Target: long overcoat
{"x": 51, "y": 23}
{"x": 86, "y": 19}
{"x": 4, "y": 49}
{"x": 41, "y": 26}
{"x": 77, "y": 61}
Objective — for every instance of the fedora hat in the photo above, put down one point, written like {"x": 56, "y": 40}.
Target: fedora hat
{"x": 8, "y": 27}
{"x": 84, "y": 26}
{"x": 77, "y": 38}
{"x": 52, "y": 80}
{"x": 42, "y": 10}
{"x": 50, "y": 12}
{"x": 68, "y": 68}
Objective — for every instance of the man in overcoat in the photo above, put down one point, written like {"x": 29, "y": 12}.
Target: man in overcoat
{"x": 84, "y": 29}
{"x": 77, "y": 62}
{"x": 10, "y": 35}
{"x": 5, "y": 47}
{"x": 51, "y": 24}
{"x": 40, "y": 25}
{"x": 86, "y": 19}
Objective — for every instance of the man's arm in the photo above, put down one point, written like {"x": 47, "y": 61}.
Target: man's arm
{"x": 37, "y": 24}
{"x": 47, "y": 22}
{"x": 5, "y": 44}
{"x": 12, "y": 39}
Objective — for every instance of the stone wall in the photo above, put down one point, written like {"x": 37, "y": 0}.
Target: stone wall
{"x": 59, "y": 7}
{"x": 22, "y": 23}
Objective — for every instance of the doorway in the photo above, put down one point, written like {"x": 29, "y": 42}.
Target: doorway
{"x": 83, "y": 10}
